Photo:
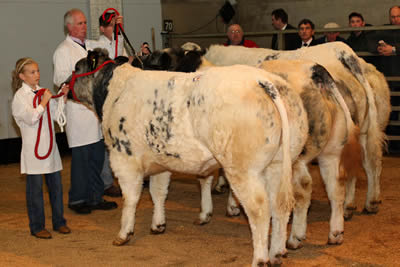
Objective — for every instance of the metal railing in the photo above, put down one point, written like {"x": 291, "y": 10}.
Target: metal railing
{"x": 167, "y": 37}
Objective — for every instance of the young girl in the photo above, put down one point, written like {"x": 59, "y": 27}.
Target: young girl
{"x": 25, "y": 80}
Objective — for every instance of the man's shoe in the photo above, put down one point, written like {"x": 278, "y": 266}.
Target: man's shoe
{"x": 44, "y": 234}
{"x": 104, "y": 205}
{"x": 113, "y": 191}
{"x": 64, "y": 230}
{"x": 81, "y": 208}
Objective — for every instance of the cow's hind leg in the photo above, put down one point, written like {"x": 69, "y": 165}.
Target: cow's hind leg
{"x": 280, "y": 215}
{"x": 250, "y": 191}
{"x": 302, "y": 187}
{"x": 131, "y": 182}
{"x": 329, "y": 169}
{"x": 372, "y": 163}
{"x": 159, "y": 190}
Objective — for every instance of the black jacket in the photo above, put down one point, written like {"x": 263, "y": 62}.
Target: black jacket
{"x": 291, "y": 40}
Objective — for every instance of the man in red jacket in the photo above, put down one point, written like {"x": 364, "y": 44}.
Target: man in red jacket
{"x": 235, "y": 37}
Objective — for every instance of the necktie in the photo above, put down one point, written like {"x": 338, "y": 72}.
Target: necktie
{"x": 305, "y": 44}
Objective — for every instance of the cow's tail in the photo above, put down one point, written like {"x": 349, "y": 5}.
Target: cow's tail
{"x": 285, "y": 197}
{"x": 351, "y": 158}
{"x": 375, "y": 136}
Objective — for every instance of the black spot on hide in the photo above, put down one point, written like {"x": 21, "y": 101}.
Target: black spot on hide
{"x": 118, "y": 143}
{"x": 175, "y": 155}
{"x": 350, "y": 62}
{"x": 272, "y": 57}
{"x": 190, "y": 62}
{"x": 269, "y": 89}
{"x": 321, "y": 77}
{"x": 171, "y": 83}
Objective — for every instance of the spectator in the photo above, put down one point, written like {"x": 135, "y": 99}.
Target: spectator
{"x": 83, "y": 128}
{"x": 236, "y": 37}
{"x": 358, "y": 39}
{"x": 144, "y": 49}
{"x": 280, "y": 23}
{"x": 26, "y": 77}
{"x": 306, "y": 32}
{"x": 387, "y": 43}
{"x": 330, "y": 36}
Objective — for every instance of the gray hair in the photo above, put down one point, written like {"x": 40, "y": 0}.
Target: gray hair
{"x": 69, "y": 19}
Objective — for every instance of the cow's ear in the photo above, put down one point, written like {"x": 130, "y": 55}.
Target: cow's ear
{"x": 92, "y": 59}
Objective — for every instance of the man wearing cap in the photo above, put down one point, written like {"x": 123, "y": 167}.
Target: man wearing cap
{"x": 330, "y": 36}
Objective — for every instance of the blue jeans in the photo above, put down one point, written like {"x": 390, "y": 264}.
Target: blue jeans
{"x": 35, "y": 203}
{"x": 86, "y": 183}
{"x": 106, "y": 173}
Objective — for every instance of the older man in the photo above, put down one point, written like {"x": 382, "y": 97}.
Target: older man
{"x": 236, "y": 37}
{"x": 83, "y": 128}
{"x": 330, "y": 36}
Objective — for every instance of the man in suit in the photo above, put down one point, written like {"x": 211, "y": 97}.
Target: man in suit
{"x": 280, "y": 22}
{"x": 306, "y": 32}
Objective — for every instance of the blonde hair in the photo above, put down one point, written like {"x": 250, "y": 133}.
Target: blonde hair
{"x": 19, "y": 68}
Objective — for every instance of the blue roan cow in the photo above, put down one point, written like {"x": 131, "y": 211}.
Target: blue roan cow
{"x": 231, "y": 117}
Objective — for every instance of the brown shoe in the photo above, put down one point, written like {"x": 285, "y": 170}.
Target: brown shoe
{"x": 64, "y": 230}
{"x": 44, "y": 234}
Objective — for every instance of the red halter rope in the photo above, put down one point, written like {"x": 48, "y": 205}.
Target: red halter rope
{"x": 38, "y": 97}
{"x": 36, "y": 102}
{"x": 74, "y": 76}
{"x": 117, "y": 26}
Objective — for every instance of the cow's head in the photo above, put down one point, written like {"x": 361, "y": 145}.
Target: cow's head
{"x": 173, "y": 59}
{"x": 90, "y": 80}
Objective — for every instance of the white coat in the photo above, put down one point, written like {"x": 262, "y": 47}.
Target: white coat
{"x": 27, "y": 119}
{"x": 83, "y": 127}
{"x": 104, "y": 42}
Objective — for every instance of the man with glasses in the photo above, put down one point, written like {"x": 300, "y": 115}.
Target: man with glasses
{"x": 236, "y": 37}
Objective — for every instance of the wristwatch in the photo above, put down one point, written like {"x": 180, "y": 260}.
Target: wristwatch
{"x": 393, "y": 50}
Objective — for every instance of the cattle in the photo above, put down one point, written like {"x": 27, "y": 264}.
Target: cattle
{"x": 155, "y": 122}
{"x": 370, "y": 107}
{"x": 330, "y": 127}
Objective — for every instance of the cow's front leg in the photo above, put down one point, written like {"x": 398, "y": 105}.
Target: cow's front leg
{"x": 131, "y": 182}
{"x": 349, "y": 202}
{"x": 206, "y": 201}
{"x": 232, "y": 206}
{"x": 302, "y": 187}
{"x": 159, "y": 191}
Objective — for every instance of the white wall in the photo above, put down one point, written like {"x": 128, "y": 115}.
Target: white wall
{"x": 34, "y": 28}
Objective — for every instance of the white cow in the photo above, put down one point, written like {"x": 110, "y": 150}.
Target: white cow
{"x": 370, "y": 107}
{"x": 230, "y": 117}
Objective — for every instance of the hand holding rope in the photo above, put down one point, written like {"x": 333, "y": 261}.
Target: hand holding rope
{"x": 37, "y": 101}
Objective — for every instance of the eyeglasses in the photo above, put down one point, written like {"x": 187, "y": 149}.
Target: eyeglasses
{"x": 237, "y": 31}
{"x": 395, "y": 17}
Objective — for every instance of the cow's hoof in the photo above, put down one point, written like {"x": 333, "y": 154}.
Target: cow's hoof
{"x": 263, "y": 264}
{"x": 120, "y": 241}
{"x": 204, "y": 221}
{"x": 232, "y": 211}
{"x": 294, "y": 243}
{"x": 372, "y": 209}
{"x": 335, "y": 238}
{"x": 276, "y": 261}
{"x": 219, "y": 190}
{"x": 348, "y": 214}
{"x": 160, "y": 229}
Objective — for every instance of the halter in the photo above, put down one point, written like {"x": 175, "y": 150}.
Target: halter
{"x": 74, "y": 76}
